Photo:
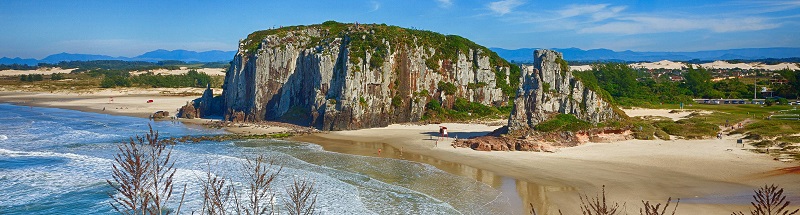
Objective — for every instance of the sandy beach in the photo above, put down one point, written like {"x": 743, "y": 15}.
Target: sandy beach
{"x": 128, "y": 101}
{"x": 710, "y": 176}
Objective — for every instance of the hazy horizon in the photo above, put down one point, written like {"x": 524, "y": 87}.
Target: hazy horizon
{"x": 38, "y": 28}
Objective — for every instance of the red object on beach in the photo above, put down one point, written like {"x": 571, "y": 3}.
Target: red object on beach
{"x": 150, "y": 101}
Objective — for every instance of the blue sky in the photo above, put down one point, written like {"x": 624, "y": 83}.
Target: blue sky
{"x": 36, "y": 28}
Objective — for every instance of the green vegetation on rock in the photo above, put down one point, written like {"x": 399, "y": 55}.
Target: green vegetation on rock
{"x": 563, "y": 122}
{"x": 378, "y": 41}
{"x": 447, "y": 87}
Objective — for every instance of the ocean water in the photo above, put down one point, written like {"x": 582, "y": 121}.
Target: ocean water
{"x": 55, "y": 161}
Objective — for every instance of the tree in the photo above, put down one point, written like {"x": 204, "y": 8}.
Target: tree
{"x": 698, "y": 81}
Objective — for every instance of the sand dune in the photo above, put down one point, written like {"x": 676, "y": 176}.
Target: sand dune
{"x": 43, "y": 71}
{"x": 49, "y": 71}
{"x": 580, "y": 68}
{"x": 666, "y": 64}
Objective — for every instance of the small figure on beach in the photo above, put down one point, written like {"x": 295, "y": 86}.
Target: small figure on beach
{"x": 379, "y": 152}
{"x": 442, "y": 134}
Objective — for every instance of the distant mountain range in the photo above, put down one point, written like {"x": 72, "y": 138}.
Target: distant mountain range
{"x": 576, "y": 54}
{"x": 152, "y": 56}
{"x": 516, "y": 55}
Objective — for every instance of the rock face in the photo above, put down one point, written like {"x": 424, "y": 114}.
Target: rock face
{"x": 547, "y": 89}
{"x": 338, "y": 76}
{"x": 206, "y": 105}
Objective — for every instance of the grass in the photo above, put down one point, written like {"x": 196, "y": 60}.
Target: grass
{"x": 733, "y": 114}
{"x": 72, "y": 82}
{"x": 563, "y": 122}
{"x": 772, "y": 128}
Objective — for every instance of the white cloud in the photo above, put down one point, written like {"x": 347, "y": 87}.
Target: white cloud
{"x": 505, "y": 6}
{"x": 375, "y": 6}
{"x": 445, "y": 3}
{"x": 653, "y": 24}
{"x": 616, "y": 19}
{"x": 578, "y": 10}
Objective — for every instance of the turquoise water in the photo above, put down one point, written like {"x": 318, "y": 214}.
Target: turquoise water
{"x": 55, "y": 161}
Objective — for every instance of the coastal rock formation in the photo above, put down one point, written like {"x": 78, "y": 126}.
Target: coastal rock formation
{"x": 206, "y": 105}
{"x": 548, "y": 88}
{"x": 188, "y": 111}
{"x": 160, "y": 114}
{"x": 337, "y": 76}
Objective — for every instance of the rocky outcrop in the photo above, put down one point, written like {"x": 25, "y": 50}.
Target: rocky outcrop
{"x": 547, "y": 88}
{"x": 338, "y": 76}
{"x": 188, "y": 111}
{"x": 206, "y": 105}
{"x": 160, "y": 114}
{"x": 541, "y": 141}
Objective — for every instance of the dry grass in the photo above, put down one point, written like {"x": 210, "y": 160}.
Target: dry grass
{"x": 598, "y": 205}
{"x": 216, "y": 194}
{"x": 650, "y": 209}
{"x": 257, "y": 172}
{"x": 769, "y": 200}
{"x": 301, "y": 198}
{"x": 142, "y": 177}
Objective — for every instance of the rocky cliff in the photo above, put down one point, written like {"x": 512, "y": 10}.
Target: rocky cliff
{"x": 336, "y": 76}
{"x": 548, "y": 88}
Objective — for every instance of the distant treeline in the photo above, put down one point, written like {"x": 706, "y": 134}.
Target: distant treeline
{"x": 119, "y": 78}
{"x": 117, "y": 65}
{"x": 629, "y": 87}
{"x": 17, "y": 67}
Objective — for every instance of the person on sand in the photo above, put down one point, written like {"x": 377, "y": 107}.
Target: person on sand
{"x": 442, "y": 134}
{"x": 379, "y": 152}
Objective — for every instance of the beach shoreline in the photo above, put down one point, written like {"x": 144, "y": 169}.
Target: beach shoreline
{"x": 710, "y": 176}
{"x": 631, "y": 170}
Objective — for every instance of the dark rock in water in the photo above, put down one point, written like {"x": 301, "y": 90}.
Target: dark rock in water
{"x": 206, "y": 105}
{"x": 188, "y": 111}
{"x": 160, "y": 114}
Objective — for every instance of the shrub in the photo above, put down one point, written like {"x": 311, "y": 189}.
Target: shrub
{"x": 432, "y": 63}
{"x": 115, "y": 81}
{"x": 447, "y": 87}
{"x": 57, "y": 76}
{"x": 397, "y": 101}
{"x": 477, "y": 85}
{"x": 563, "y": 122}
